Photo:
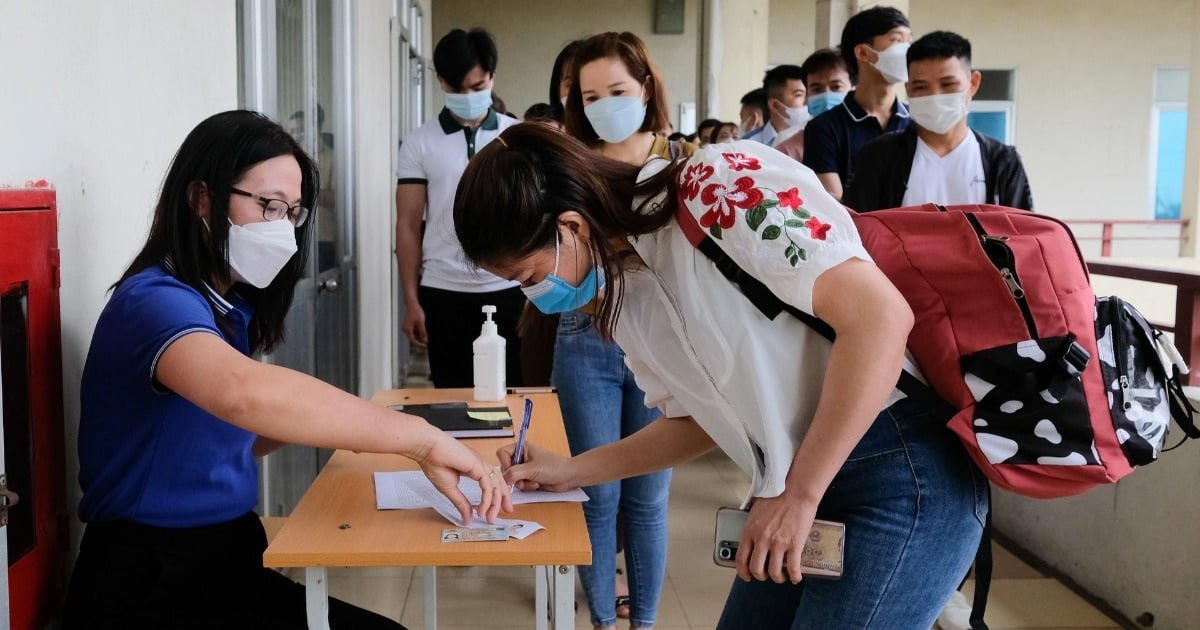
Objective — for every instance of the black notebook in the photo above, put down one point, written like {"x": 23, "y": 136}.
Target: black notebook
{"x": 462, "y": 421}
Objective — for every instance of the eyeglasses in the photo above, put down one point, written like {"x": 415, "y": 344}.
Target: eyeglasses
{"x": 276, "y": 209}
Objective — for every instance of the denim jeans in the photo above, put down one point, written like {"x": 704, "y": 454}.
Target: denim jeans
{"x": 914, "y": 507}
{"x": 601, "y": 403}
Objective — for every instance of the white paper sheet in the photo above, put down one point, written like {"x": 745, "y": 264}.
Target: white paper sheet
{"x": 410, "y": 490}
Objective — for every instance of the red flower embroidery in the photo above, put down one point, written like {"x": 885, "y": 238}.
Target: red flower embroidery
{"x": 721, "y": 201}
{"x": 817, "y": 229}
{"x": 692, "y": 177}
{"x": 790, "y": 198}
{"x": 741, "y": 162}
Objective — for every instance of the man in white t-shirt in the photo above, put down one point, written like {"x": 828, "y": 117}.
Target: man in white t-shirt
{"x": 939, "y": 159}
{"x": 443, "y": 294}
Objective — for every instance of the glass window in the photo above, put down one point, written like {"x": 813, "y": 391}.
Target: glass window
{"x": 994, "y": 124}
{"x": 1169, "y": 141}
{"x": 994, "y": 105}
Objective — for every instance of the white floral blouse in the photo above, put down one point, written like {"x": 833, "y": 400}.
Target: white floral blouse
{"x": 696, "y": 344}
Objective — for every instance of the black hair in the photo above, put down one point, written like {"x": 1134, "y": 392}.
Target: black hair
{"x": 560, "y": 66}
{"x": 539, "y": 111}
{"x": 756, "y": 98}
{"x": 512, "y": 192}
{"x": 460, "y": 51}
{"x": 941, "y": 45}
{"x": 776, "y": 79}
{"x": 677, "y": 135}
{"x": 707, "y": 123}
{"x": 211, "y": 160}
{"x": 865, "y": 26}
{"x": 820, "y": 61}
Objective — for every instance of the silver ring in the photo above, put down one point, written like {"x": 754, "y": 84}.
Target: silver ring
{"x": 492, "y": 473}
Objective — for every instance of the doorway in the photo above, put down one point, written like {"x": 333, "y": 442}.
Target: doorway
{"x": 296, "y": 68}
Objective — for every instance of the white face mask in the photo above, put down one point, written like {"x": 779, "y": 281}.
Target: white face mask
{"x": 797, "y": 116}
{"x": 940, "y": 112}
{"x": 258, "y": 251}
{"x": 893, "y": 62}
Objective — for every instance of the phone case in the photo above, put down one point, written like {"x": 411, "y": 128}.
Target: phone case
{"x": 822, "y": 555}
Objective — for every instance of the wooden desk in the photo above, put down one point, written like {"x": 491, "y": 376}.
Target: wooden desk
{"x": 336, "y": 523}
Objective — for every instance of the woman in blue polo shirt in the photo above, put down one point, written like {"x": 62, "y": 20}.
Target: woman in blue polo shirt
{"x": 174, "y": 410}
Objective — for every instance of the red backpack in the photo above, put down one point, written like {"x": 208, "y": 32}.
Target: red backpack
{"x": 1006, "y": 335}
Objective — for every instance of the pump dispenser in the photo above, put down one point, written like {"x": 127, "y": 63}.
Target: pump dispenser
{"x": 489, "y": 349}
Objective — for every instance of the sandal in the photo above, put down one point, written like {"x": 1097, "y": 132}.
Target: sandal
{"x": 623, "y": 606}
{"x": 622, "y": 599}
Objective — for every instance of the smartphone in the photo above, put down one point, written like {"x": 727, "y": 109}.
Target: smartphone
{"x": 822, "y": 555}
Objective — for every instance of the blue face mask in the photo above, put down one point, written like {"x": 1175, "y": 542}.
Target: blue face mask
{"x": 820, "y": 103}
{"x": 554, "y": 295}
{"x": 615, "y": 118}
{"x": 469, "y": 106}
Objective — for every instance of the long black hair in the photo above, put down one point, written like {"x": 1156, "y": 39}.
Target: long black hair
{"x": 561, "y": 64}
{"x": 216, "y": 154}
{"x": 513, "y": 191}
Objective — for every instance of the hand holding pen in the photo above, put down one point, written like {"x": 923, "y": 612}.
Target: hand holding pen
{"x": 519, "y": 453}
{"x": 528, "y": 467}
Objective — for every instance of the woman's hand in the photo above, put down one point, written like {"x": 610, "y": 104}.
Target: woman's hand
{"x": 447, "y": 459}
{"x": 541, "y": 470}
{"x": 773, "y": 540}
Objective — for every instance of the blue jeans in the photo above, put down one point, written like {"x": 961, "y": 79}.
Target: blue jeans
{"x": 601, "y": 403}
{"x": 914, "y": 507}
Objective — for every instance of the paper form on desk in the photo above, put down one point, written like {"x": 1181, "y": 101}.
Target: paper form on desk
{"x": 399, "y": 491}
{"x": 407, "y": 490}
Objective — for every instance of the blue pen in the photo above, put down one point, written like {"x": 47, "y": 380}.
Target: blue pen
{"x": 520, "y": 450}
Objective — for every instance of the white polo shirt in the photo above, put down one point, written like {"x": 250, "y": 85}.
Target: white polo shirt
{"x": 697, "y": 346}
{"x": 435, "y": 155}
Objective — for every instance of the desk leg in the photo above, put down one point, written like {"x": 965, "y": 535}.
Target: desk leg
{"x": 430, "y": 574}
{"x": 564, "y": 596}
{"x": 541, "y": 602}
{"x": 316, "y": 597}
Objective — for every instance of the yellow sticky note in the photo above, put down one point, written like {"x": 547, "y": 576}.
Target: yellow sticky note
{"x": 491, "y": 416}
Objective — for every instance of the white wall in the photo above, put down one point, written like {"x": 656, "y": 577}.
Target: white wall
{"x": 529, "y": 35}
{"x": 375, "y": 184}
{"x": 97, "y": 98}
{"x": 792, "y": 31}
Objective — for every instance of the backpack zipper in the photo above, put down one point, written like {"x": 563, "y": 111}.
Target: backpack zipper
{"x": 1008, "y": 270}
{"x": 1119, "y": 348}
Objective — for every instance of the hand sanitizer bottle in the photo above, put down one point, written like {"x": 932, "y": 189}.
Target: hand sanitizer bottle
{"x": 490, "y": 363}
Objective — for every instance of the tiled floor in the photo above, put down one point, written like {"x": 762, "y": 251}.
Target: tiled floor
{"x": 476, "y": 598}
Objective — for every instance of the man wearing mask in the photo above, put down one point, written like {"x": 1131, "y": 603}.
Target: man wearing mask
{"x": 827, "y": 82}
{"x": 939, "y": 159}
{"x": 753, "y": 114}
{"x": 873, "y": 45}
{"x": 787, "y": 115}
{"x": 443, "y": 295}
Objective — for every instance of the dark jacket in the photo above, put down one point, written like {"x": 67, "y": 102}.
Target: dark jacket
{"x": 885, "y": 163}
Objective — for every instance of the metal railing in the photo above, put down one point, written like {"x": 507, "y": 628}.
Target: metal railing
{"x": 1187, "y": 302}
{"x": 1107, "y": 231}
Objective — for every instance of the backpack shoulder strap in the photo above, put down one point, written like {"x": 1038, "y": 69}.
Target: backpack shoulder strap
{"x": 770, "y": 305}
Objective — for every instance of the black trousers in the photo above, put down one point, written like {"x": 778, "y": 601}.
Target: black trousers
{"x": 453, "y": 320}
{"x": 133, "y": 576}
